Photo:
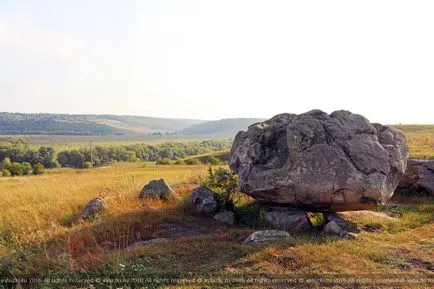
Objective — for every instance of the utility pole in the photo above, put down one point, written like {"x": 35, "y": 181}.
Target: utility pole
{"x": 91, "y": 155}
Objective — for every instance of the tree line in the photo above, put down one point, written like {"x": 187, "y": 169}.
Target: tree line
{"x": 18, "y": 158}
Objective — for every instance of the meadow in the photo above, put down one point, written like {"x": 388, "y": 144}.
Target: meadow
{"x": 38, "y": 237}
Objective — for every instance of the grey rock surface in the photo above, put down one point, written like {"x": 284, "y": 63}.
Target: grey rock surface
{"x": 95, "y": 206}
{"x": 205, "y": 200}
{"x": 267, "y": 235}
{"x": 418, "y": 176}
{"x": 157, "y": 189}
{"x": 226, "y": 217}
{"x": 333, "y": 228}
{"x": 319, "y": 162}
{"x": 288, "y": 219}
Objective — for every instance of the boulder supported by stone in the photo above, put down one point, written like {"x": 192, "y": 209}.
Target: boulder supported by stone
{"x": 289, "y": 219}
{"x": 205, "y": 200}
{"x": 95, "y": 206}
{"x": 319, "y": 162}
{"x": 267, "y": 235}
{"x": 158, "y": 190}
{"x": 418, "y": 176}
{"x": 226, "y": 217}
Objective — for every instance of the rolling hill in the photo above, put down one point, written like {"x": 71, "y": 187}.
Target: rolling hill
{"x": 106, "y": 125}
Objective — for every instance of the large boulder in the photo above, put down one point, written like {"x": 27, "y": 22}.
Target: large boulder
{"x": 158, "y": 189}
{"x": 419, "y": 176}
{"x": 319, "y": 162}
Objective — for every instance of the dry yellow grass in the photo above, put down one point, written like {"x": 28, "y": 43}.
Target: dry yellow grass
{"x": 38, "y": 238}
{"x": 35, "y": 207}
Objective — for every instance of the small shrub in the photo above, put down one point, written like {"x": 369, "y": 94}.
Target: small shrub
{"x": 180, "y": 162}
{"x": 192, "y": 162}
{"x": 223, "y": 182}
{"x": 38, "y": 169}
{"x": 164, "y": 161}
{"x": 214, "y": 161}
{"x": 6, "y": 173}
{"x": 27, "y": 168}
{"x": 250, "y": 214}
{"x": 87, "y": 165}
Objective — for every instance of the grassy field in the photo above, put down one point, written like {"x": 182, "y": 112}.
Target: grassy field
{"x": 38, "y": 237}
{"x": 420, "y": 139}
{"x": 68, "y": 142}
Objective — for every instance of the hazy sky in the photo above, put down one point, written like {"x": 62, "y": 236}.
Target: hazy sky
{"x": 218, "y": 59}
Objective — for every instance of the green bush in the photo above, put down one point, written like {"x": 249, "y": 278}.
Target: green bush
{"x": 214, "y": 161}
{"x": 250, "y": 214}
{"x": 164, "y": 161}
{"x": 38, "y": 169}
{"x": 192, "y": 162}
{"x": 6, "y": 173}
{"x": 224, "y": 183}
{"x": 27, "y": 168}
{"x": 180, "y": 162}
{"x": 87, "y": 165}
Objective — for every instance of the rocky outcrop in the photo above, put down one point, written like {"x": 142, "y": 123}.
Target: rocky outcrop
{"x": 319, "y": 162}
{"x": 419, "y": 176}
{"x": 267, "y": 235}
{"x": 95, "y": 206}
{"x": 158, "y": 189}
{"x": 288, "y": 219}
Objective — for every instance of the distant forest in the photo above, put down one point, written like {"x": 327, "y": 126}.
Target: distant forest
{"x": 18, "y": 158}
{"x": 80, "y": 124}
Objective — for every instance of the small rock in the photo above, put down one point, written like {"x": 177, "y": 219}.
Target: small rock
{"x": 289, "y": 219}
{"x": 158, "y": 189}
{"x": 92, "y": 208}
{"x": 333, "y": 229}
{"x": 267, "y": 235}
{"x": 348, "y": 236}
{"x": 226, "y": 217}
{"x": 332, "y": 217}
{"x": 148, "y": 242}
{"x": 206, "y": 201}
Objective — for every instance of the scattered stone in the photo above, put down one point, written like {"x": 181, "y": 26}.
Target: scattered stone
{"x": 332, "y": 217}
{"x": 148, "y": 242}
{"x": 319, "y": 162}
{"x": 226, "y": 217}
{"x": 267, "y": 235}
{"x": 205, "y": 200}
{"x": 418, "y": 176}
{"x": 159, "y": 190}
{"x": 332, "y": 228}
{"x": 289, "y": 219}
{"x": 95, "y": 206}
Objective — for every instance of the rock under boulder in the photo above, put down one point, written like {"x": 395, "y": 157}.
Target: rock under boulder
{"x": 226, "y": 217}
{"x": 158, "y": 189}
{"x": 267, "y": 235}
{"x": 418, "y": 176}
{"x": 319, "y": 162}
{"x": 95, "y": 206}
{"x": 288, "y": 219}
{"x": 205, "y": 200}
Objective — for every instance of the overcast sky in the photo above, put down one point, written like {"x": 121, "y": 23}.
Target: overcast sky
{"x": 218, "y": 59}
